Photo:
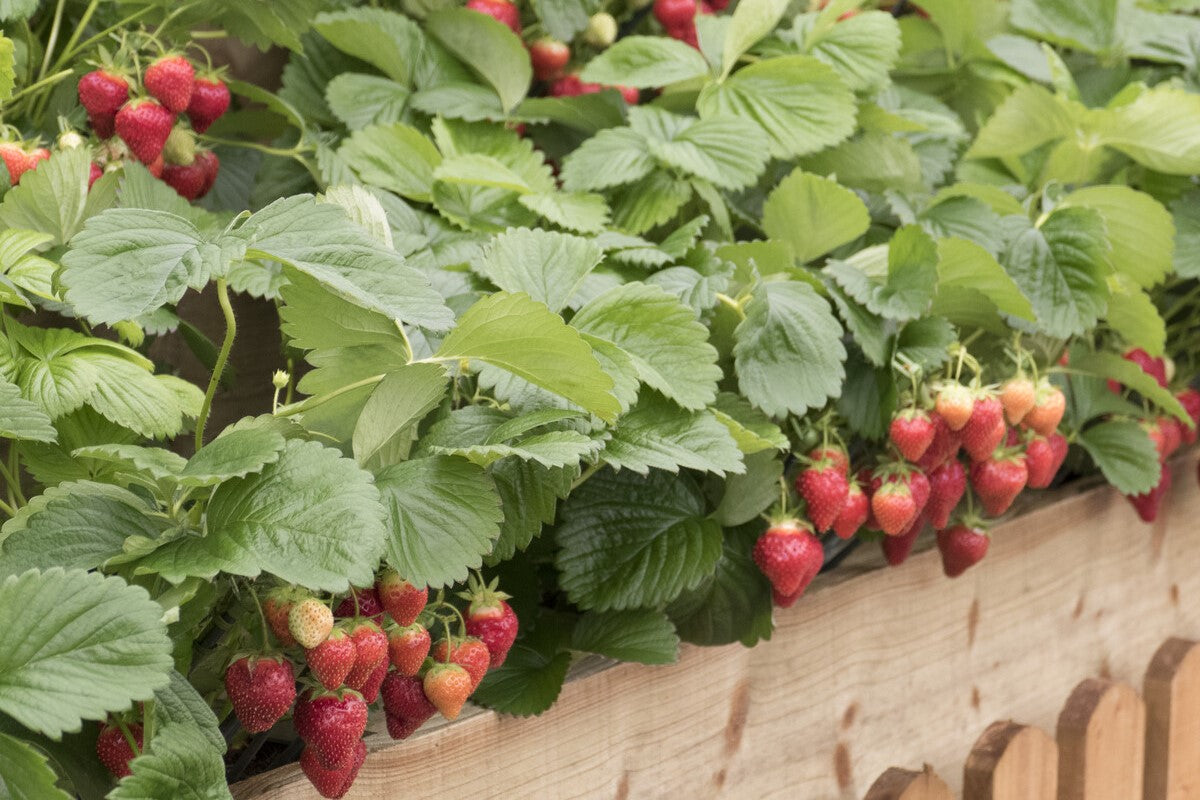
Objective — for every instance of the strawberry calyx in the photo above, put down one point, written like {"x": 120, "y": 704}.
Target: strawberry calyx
{"x": 486, "y": 599}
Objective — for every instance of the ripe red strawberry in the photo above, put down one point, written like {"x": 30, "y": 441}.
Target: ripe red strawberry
{"x": 1017, "y": 396}
{"x": 16, "y": 161}
{"x": 912, "y": 433}
{"x": 331, "y": 660}
{"x": 401, "y": 728}
{"x": 331, "y": 724}
{"x": 493, "y": 621}
{"x": 1148, "y": 504}
{"x": 502, "y": 11}
{"x": 919, "y": 488}
{"x": 404, "y": 699}
{"x": 897, "y": 549}
{"x": 685, "y": 32}
{"x": 408, "y": 647}
{"x": 187, "y": 180}
{"x": 370, "y": 648}
{"x": 170, "y": 80}
{"x": 854, "y": 512}
{"x": 962, "y": 548}
{"x": 997, "y": 482}
{"x": 370, "y": 688}
{"x": 1172, "y": 434}
{"x": 210, "y": 101}
{"x": 332, "y": 783}
{"x": 1047, "y": 410}
{"x": 786, "y": 600}
{"x": 947, "y": 484}
{"x": 104, "y": 125}
{"x": 113, "y": 750}
{"x": 789, "y": 555}
{"x": 276, "y": 608}
{"x": 37, "y": 156}
{"x": 1040, "y": 462}
{"x": 155, "y": 167}
{"x": 310, "y": 621}
{"x": 361, "y": 603}
{"x": 211, "y": 164}
{"x": 471, "y": 654}
{"x": 954, "y": 404}
{"x": 95, "y": 173}
{"x": 1189, "y": 398}
{"x": 1152, "y": 366}
{"x": 102, "y": 92}
{"x": 630, "y": 93}
{"x": 144, "y": 126}
{"x": 985, "y": 428}
{"x": 448, "y": 686}
{"x": 674, "y": 14}
{"x": 401, "y": 599}
{"x": 945, "y": 446}
{"x": 835, "y": 455}
{"x": 824, "y": 488}
{"x": 893, "y": 507}
{"x": 261, "y": 690}
{"x": 549, "y": 57}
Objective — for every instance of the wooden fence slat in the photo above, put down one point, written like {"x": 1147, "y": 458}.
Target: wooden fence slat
{"x": 1172, "y": 693}
{"x": 1011, "y": 762}
{"x": 1101, "y": 742}
{"x": 906, "y": 784}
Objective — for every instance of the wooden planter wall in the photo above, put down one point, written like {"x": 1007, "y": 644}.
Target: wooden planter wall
{"x": 874, "y": 668}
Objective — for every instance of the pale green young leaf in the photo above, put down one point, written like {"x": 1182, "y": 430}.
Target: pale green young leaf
{"x": 233, "y": 454}
{"x": 517, "y": 334}
{"x": 652, "y": 201}
{"x": 813, "y": 214}
{"x": 1139, "y": 229}
{"x": 178, "y": 703}
{"x": 627, "y": 541}
{"x": 400, "y": 401}
{"x": 1133, "y": 315}
{"x": 657, "y": 434}
{"x": 788, "y": 350}
{"x": 966, "y": 267}
{"x": 360, "y": 100}
{"x": 874, "y": 162}
{"x": 645, "y": 62}
{"x": 610, "y": 158}
{"x": 799, "y": 102}
{"x": 179, "y": 764}
{"x": 384, "y": 39}
{"x": 1089, "y": 26}
{"x": 53, "y": 198}
{"x": 443, "y": 516}
{"x": 642, "y": 635}
{"x": 395, "y": 157}
{"x": 1029, "y": 118}
{"x": 24, "y": 773}
{"x": 667, "y": 344}
{"x": 1186, "y": 213}
{"x": 547, "y": 266}
{"x": 1125, "y": 455}
{"x": 488, "y": 47}
{"x": 582, "y": 212}
{"x": 75, "y": 645}
{"x": 863, "y": 48}
{"x": 22, "y": 419}
{"x": 476, "y": 169}
{"x": 1160, "y": 130}
{"x": 363, "y": 209}
{"x": 752, "y": 430}
{"x": 751, "y": 21}
{"x": 727, "y": 151}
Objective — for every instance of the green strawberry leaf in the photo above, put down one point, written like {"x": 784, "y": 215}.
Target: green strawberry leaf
{"x": 1110, "y": 365}
{"x": 76, "y": 645}
{"x": 813, "y": 214}
{"x": 645, "y": 62}
{"x": 547, "y": 266}
{"x": 395, "y": 157}
{"x": 752, "y": 430}
{"x": 1125, "y": 454}
{"x": 1091, "y": 26}
{"x": 863, "y": 48}
{"x": 751, "y": 21}
{"x": 178, "y": 765}
{"x": 657, "y": 434}
{"x": 529, "y": 495}
{"x": 361, "y": 100}
{"x": 1139, "y": 229}
{"x": 233, "y": 454}
{"x": 387, "y": 40}
{"x": 399, "y": 402}
{"x": 178, "y": 703}
{"x": 612, "y": 157}
{"x": 24, "y": 773}
{"x": 54, "y": 198}
{"x": 21, "y": 419}
{"x": 1186, "y": 212}
{"x": 531, "y": 677}
{"x": 642, "y": 635}
{"x": 972, "y": 286}
{"x": 1133, "y": 314}
{"x": 488, "y": 47}
{"x": 747, "y": 495}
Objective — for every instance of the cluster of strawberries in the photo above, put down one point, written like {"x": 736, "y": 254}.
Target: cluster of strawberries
{"x": 145, "y": 123}
{"x": 678, "y": 17}
{"x": 375, "y": 644}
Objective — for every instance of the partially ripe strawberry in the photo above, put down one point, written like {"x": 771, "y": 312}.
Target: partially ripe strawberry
{"x": 685, "y": 32}
{"x": 945, "y": 446}
{"x": 954, "y": 404}
{"x": 156, "y": 166}
{"x": 1158, "y": 436}
{"x": 113, "y": 750}
{"x": 211, "y": 165}
{"x": 789, "y": 555}
{"x": 1149, "y": 503}
{"x": 549, "y": 57}
{"x": 1047, "y": 409}
{"x": 371, "y": 686}
{"x": 674, "y": 13}
{"x": 919, "y": 488}
{"x": 1039, "y": 461}
{"x": 997, "y": 482}
{"x": 400, "y": 599}
{"x": 404, "y": 700}
{"x": 833, "y": 454}
{"x": 37, "y": 155}
{"x": 187, "y": 180}
{"x": 1152, "y": 366}
{"x": 947, "y": 485}
{"x": 1172, "y": 434}
{"x": 361, "y": 603}
{"x": 893, "y": 508}
{"x": 331, "y": 660}
{"x": 824, "y": 488}
{"x": 985, "y": 428}
{"x": 854, "y": 512}
{"x": 261, "y": 690}
{"x": 897, "y": 549}
{"x": 1017, "y": 396}
{"x": 448, "y": 686}
{"x": 144, "y": 126}
{"x": 1189, "y": 398}
{"x": 370, "y": 648}
{"x": 210, "y": 101}
{"x": 170, "y": 80}
{"x": 332, "y": 783}
{"x": 502, "y": 11}
{"x": 276, "y": 608}
{"x": 332, "y": 725}
{"x": 408, "y": 647}
{"x": 961, "y": 548}
{"x": 471, "y": 654}
{"x": 912, "y": 433}
{"x": 495, "y": 623}
{"x": 309, "y": 622}
{"x": 16, "y": 161}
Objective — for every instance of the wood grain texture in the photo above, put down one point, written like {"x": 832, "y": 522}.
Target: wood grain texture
{"x": 1101, "y": 742}
{"x": 904, "y": 784}
{"x": 1011, "y": 761}
{"x": 875, "y": 667}
{"x": 1172, "y": 694}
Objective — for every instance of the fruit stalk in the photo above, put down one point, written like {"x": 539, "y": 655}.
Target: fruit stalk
{"x": 222, "y": 358}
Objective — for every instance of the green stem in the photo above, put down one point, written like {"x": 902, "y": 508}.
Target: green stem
{"x": 311, "y": 402}
{"x": 92, "y": 40}
{"x": 222, "y": 358}
{"x": 7, "y": 509}
{"x": 46, "y": 81}
{"x": 587, "y": 473}
{"x": 262, "y": 618}
{"x": 292, "y": 152}
{"x": 147, "y": 724}
{"x": 81, "y": 25}
{"x": 53, "y": 40}
{"x": 13, "y": 474}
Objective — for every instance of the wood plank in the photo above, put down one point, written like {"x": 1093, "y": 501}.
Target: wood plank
{"x": 1011, "y": 762}
{"x": 1101, "y": 742}
{"x": 906, "y": 784}
{"x": 1172, "y": 692}
{"x": 875, "y": 666}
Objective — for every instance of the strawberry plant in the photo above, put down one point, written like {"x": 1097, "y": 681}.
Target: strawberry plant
{"x": 604, "y": 328}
